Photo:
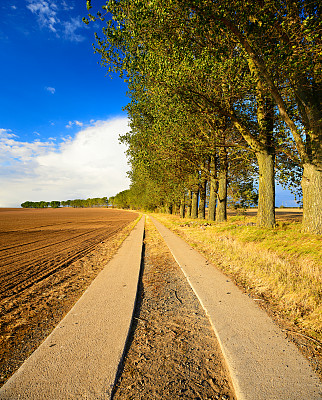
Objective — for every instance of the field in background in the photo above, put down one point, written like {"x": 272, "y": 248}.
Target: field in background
{"x": 282, "y": 214}
{"x": 37, "y": 243}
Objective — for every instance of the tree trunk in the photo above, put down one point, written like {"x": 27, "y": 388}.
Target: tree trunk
{"x": 188, "y": 213}
{"x": 175, "y": 208}
{"x": 266, "y": 160}
{"x": 266, "y": 190}
{"x": 221, "y": 212}
{"x": 213, "y": 190}
{"x": 202, "y": 199}
{"x": 182, "y": 207}
{"x": 312, "y": 164}
{"x": 194, "y": 204}
{"x": 312, "y": 199}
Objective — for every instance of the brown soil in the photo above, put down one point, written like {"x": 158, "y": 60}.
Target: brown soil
{"x": 37, "y": 243}
{"x": 173, "y": 352}
{"x": 47, "y": 259}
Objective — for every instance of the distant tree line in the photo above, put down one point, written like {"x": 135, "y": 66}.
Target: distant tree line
{"x": 76, "y": 203}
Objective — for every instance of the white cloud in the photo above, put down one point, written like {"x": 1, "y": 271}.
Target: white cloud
{"x": 90, "y": 164}
{"x": 66, "y": 6}
{"x": 50, "y": 89}
{"x": 51, "y": 14}
{"x": 70, "y": 28}
{"x": 46, "y": 12}
{"x": 77, "y": 123}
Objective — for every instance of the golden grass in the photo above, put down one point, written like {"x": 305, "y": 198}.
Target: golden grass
{"x": 282, "y": 264}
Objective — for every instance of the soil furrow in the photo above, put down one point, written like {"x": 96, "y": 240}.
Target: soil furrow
{"x": 28, "y": 316}
{"x": 27, "y": 275}
{"x": 49, "y": 245}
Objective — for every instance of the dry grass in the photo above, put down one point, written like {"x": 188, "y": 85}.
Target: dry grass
{"x": 280, "y": 265}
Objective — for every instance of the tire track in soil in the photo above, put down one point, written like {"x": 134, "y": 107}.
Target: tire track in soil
{"x": 172, "y": 351}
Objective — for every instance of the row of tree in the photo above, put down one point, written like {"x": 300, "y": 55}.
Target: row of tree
{"x": 221, "y": 92}
{"x": 77, "y": 203}
{"x": 39, "y": 204}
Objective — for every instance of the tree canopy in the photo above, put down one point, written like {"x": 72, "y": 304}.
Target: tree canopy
{"x": 219, "y": 91}
{"x": 76, "y": 203}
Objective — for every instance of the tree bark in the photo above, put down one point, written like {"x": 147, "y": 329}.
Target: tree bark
{"x": 312, "y": 199}
{"x": 265, "y": 156}
{"x": 176, "y": 208}
{"x": 213, "y": 190}
{"x": 182, "y": 207}
{"x": 266, "y": 190}
{"x": 312, "y": 168}
{"x": 169, "y": 209}
{"x": 202, "y": 198}
{"x": 194, "y": 204}
{"x": 188, "y": 213}
{"x": 221, "y": 212}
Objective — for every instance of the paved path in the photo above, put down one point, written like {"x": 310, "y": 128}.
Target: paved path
{"x": 262, "y": 363}
{"x": 80, "y": 358}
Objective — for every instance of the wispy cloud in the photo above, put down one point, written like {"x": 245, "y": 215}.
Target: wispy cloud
{"x": 50, "y": 89}
{"x": 52, "y": 15}
{"x": 66, "y": 6}
{"x": 90, "y": 164}
{"x": 70, "y": 28}
{"x": 46, "y": 12}
{"x": 14, "y": 152}
{"x": 77, "y": 123}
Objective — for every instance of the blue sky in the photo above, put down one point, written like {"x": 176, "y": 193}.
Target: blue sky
{"x": 57, "y": 106}
{"x": 60, "y": 116}
{"x": 49, "y": 73}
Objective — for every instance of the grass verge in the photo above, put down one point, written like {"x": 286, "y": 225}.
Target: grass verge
{"x": 280, "y": 266}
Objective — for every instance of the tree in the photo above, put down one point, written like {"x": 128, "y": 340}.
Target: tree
{"x": 181, "y": 68}
{"x": 55, "y": 204}
{"x": 282, "y": 42}
{"x": 244, "y": 62}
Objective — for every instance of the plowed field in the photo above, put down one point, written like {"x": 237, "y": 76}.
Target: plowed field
{"x": 47, "y": 258}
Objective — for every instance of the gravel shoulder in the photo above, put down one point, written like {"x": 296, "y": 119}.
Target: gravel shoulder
{"x": 172, "y": 351}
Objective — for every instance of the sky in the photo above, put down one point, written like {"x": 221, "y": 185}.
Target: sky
{"x": 60, "y": 115}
